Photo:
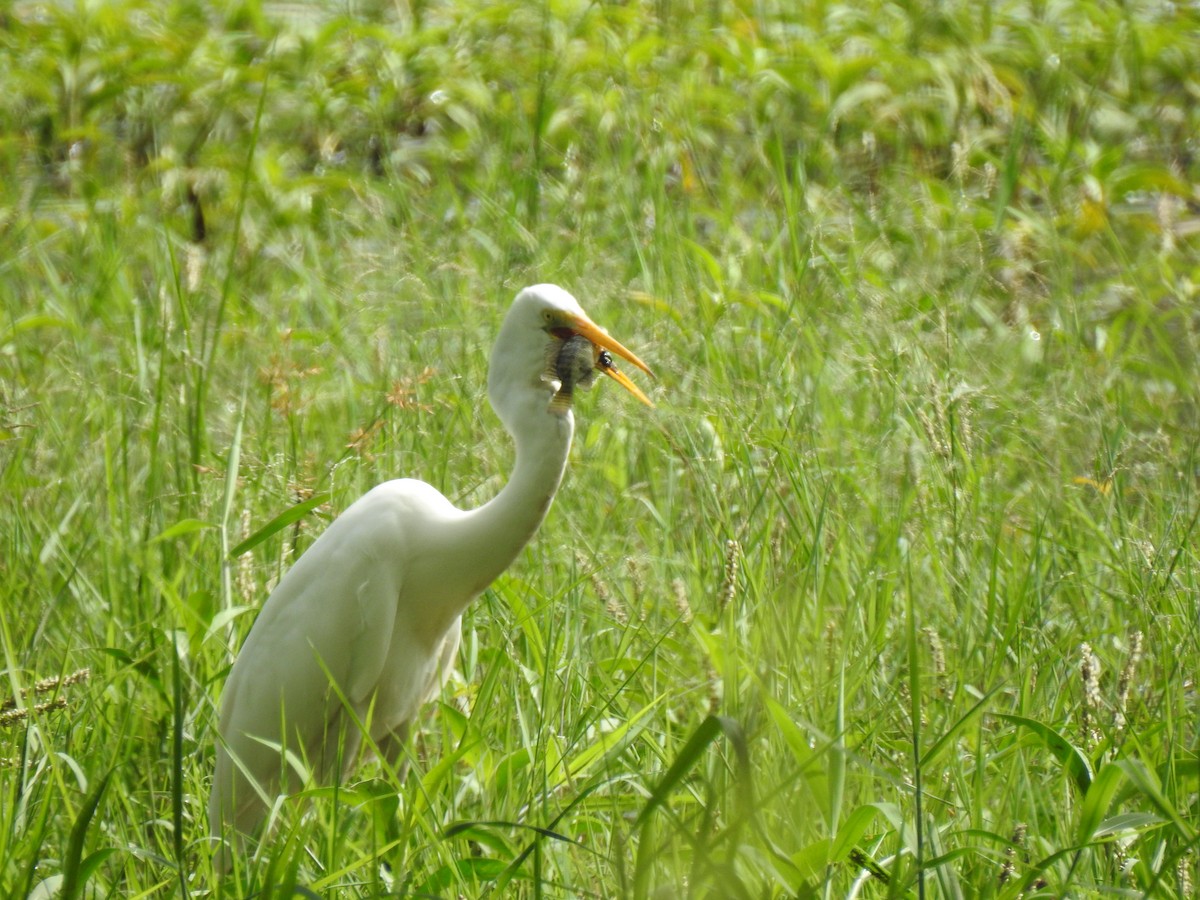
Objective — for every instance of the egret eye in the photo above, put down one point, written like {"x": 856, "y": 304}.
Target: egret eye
{"x": 604, "y": 360}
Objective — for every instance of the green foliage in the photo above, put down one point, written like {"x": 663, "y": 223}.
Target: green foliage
{"x": 893, "y": 594}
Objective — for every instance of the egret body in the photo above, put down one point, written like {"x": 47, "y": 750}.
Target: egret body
{"x": 365, "y": 626}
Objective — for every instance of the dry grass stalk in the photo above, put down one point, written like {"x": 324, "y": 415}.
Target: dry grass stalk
{"x": 405, "y": 391}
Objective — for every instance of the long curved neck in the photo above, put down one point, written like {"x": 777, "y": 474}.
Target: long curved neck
{"x": 492, "y": 535}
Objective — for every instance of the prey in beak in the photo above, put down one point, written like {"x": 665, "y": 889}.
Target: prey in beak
{"x": 581, "y": 350}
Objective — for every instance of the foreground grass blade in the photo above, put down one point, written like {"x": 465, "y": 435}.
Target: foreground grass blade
{"x": 1072, "y": 758}
{"x": 689, "y": 756}
{"x": 77, "y": 870}
{"x": 1097, "y": 801}
{"x": 283, "y": 520}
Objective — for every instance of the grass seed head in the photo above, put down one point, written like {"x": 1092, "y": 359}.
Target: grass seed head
{"x": 1183, "y": 874}
{"x": 960, "y": 163}
{"x": 716, "y": 687}
{"x": 681, "y": 601}
{"x": 1126, "y": 680}
{"x": 194, "y": 267}
{"x": 11, "y": 717}
{"x": 1009, "y": 868}
{"x": 830, "y": 643}
{"x": 612, "y": 603}
{"x": 933, "y": 435}
{"x": 777, "y": 533}
{"x": 729, "y": 582}
{"x": 938, "y": 653}
{"x": 637, "y": 579}
{"x": 245, "y": 564}
{"x": 1089, "y": 671}
{"x": 46, "y": 685}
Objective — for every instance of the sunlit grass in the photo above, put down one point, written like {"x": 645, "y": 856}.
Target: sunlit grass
{"x": 919, "y": 286}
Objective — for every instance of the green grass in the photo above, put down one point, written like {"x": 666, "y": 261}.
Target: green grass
{"x": 920, "y": 284}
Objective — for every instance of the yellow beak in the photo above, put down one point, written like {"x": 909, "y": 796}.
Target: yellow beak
{"x": 585, "y": 327}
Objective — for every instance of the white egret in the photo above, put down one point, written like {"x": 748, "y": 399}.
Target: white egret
{"x": 365, "y": 626}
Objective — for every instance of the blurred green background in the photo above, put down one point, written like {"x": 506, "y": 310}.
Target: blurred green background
{"x": 894, "y": 594}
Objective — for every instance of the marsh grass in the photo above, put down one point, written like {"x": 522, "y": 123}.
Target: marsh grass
{"x": 920, "y": 286}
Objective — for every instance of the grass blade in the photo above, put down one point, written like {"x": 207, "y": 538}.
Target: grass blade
{"x": 689, "y": 756}
{"x": 283, "y": 520}
{"x": 1073, "y": 759}
{"x": 75, "y": 874}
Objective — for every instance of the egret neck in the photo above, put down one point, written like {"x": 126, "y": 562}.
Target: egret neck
{"x": 492, "y": 535}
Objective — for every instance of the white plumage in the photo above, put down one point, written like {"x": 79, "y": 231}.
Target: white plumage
{"x": 365, "y": 626}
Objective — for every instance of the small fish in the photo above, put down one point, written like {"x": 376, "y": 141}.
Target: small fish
{"x": 575, "y": 364}
{"x": 578, "y": 361}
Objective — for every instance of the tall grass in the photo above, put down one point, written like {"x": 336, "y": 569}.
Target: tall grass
{"x": 893, "y": 595}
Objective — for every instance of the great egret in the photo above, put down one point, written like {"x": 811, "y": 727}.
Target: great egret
{"x": 365, "y": 626}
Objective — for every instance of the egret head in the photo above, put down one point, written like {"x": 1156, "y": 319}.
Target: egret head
{"x": 541, "y": 354}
